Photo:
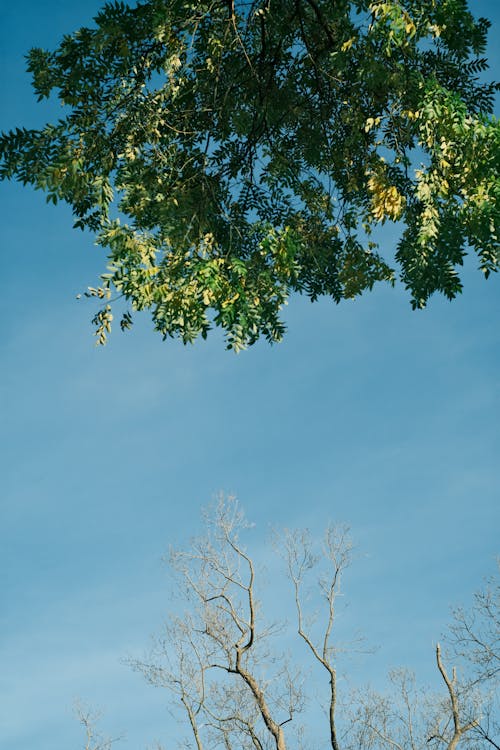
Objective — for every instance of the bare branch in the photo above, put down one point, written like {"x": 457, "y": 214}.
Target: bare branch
{"x": 475, "y": 634}
{"x": 88, "y": 718}
{"x": 458, "y": 729}
{"x": 300, "y": 560}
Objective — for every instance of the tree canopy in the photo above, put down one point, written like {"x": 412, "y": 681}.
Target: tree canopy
{"x": 227, "y": 154}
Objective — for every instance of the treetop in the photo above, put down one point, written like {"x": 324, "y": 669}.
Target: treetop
{"x": 229, "y": 154}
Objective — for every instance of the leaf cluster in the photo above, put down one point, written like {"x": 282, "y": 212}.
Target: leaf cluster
{"x": 227, "y": 154}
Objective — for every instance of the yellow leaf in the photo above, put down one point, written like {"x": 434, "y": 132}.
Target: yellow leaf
{"x": 387, "y": 201}
{"x": 228, "y": 302}
{"x": 347, "y": 45}
{"x": 371, "y": 122}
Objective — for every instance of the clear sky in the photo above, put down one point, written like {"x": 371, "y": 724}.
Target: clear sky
{"x": 367, "y": 413}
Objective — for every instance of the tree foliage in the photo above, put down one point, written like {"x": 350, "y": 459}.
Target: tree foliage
{"x": 229, "y": 153}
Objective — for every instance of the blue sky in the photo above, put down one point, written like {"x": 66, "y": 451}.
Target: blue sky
{"x": 367, "y": 413}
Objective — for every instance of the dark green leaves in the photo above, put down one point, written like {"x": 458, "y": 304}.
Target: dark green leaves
{"x": 253, "y": 149}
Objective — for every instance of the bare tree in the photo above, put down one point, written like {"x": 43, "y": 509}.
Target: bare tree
{"x": 474, "y": 640}
{"x": 301, "y": 560}
{"x": 460, "y": 726}
{"x": 217, "y": 662}
{"x": 89, "y": 719}
{"x": 475, "y": 632}
{"x": 229, "y": 673}
{"x": 407, "y": 717}
{"x": 176, "y": 662}
{"x": 403, "y": 718}
{"x": 464, "y": 715}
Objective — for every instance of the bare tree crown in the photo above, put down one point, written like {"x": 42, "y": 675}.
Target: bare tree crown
{"x": 227, "y": 670}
